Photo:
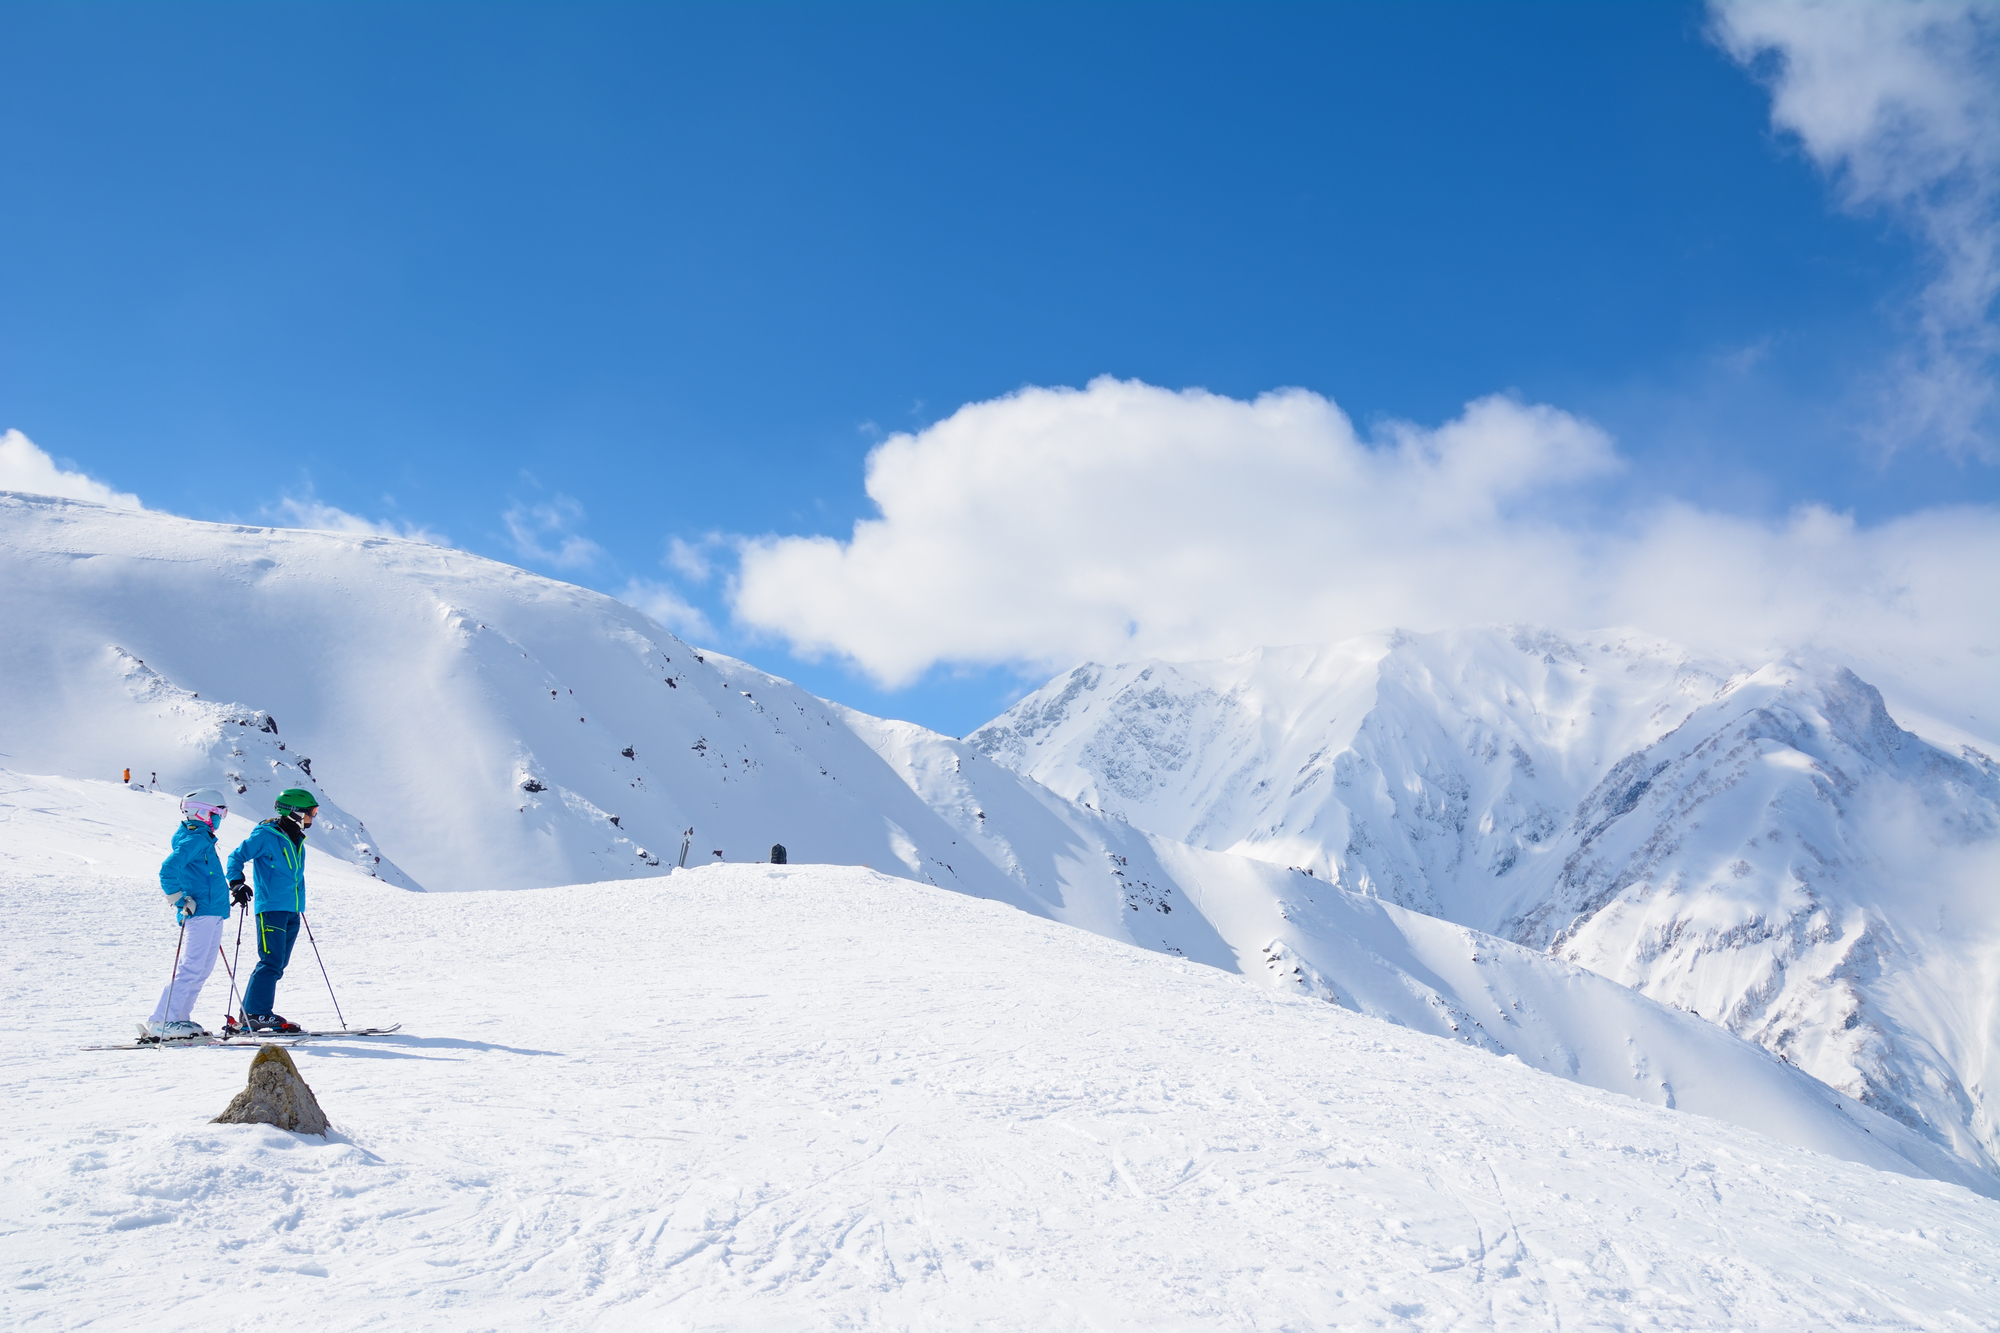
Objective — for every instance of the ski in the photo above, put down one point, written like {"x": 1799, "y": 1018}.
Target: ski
{"x": 329, "y": 1032}
{"x": 240, "y": 1037}
{"x": 177, "y": 1043}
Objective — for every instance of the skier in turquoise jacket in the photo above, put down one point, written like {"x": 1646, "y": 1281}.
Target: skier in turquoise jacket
{"x": 276, "y": 853}
{"x": 191, "y": 877}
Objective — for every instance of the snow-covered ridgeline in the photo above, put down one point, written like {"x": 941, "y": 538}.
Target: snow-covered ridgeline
{"x": 1763, "y": 846}
{"x": 498, "y": 729}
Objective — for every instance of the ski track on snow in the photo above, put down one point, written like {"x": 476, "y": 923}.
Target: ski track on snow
{"x": 819, "y": 1097}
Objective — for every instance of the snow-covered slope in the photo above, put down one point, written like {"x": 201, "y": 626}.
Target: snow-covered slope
{"x": 495, "y": 729}
{"x": 1763, "y": 846}
{"x": 818, "y": 1097}
{"x": 233, "y": 748}
{"x": 479, "y": 719}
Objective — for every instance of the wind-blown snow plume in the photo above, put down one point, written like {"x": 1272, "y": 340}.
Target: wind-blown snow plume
{"x": 1900, "y": 104}
{"x": 664, "y": 604}
{"x": 543, "y": 533}
{"x": 1125, "y": 520}
{"x": 25, "y": 467}
{"x": 322, "y": 517}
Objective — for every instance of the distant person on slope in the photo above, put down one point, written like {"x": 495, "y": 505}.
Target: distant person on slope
{"x": 277, "y": 850}
{"x": 191, "y": 877}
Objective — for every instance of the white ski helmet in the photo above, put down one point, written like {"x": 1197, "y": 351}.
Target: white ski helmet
{"x": 205, "y": 803}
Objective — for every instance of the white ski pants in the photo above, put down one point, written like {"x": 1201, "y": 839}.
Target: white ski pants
{"x": 199, "y": 951}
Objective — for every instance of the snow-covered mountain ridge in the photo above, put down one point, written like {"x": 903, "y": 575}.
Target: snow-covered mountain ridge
{"x": 1759, "y": 844}
{"x": 496, "y": 729}
{"x": 510, "y": 731}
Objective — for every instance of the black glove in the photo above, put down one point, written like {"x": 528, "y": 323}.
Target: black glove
{"x": 239, "y": 892}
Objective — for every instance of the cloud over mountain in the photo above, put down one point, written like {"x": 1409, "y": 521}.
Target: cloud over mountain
{"x": 1123, "y": 520}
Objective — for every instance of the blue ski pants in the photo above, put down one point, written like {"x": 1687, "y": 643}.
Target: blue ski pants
{"x": 277, "y": 932}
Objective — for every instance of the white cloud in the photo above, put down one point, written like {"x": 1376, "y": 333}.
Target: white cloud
{"x": 669, "y": 608}
{"x": 311, "y": 513}
{"x": 24, "y": 467}
{"x": 1123, "y": 520}
{"x": 1899, "y": 102}
{"x": 544, "y": 533}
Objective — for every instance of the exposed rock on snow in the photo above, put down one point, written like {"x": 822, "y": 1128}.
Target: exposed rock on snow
{"x": 198, "y": 742}
{"x": 276, "y": 1094}
{"x": 1763, "y": 846}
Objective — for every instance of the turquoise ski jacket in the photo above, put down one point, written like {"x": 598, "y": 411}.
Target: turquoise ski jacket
{"x": 193, "y": 867}
{"x": 280, "y": 866}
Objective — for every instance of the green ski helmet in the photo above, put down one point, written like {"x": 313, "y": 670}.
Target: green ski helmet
{"x": 296, "y": 798}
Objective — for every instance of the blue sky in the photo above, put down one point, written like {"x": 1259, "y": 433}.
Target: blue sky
{"x": 633, "y": 273}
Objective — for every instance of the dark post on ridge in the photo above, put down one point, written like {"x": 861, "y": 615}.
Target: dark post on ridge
{"x": 777, "y": 853}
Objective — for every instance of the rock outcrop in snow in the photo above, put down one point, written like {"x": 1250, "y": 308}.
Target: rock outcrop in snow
{"x": 275, "y": 1094}
{"x": 1763, "y": 846}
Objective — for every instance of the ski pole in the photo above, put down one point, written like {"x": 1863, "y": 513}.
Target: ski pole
{"x": 240, "y": 1021}
{"x": 174, "y": 977}
{"x": 322, "y": 971}
{"x": 228, "y": 1018}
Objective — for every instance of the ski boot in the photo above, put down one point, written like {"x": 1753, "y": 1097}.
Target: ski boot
{"x": 151, "y": 1034}
{"x": 270, "y": 1023}
{"x": 175, "y": 1030}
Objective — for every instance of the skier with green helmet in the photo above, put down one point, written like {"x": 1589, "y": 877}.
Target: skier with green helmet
{"x": 276, "y": 853}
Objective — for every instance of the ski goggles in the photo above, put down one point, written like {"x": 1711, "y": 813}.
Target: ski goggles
{"x": 202, "y": 811}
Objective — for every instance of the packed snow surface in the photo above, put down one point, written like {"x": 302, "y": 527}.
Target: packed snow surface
{"x": 821, "y": 1097}
{"x": 1761, "y": 844}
